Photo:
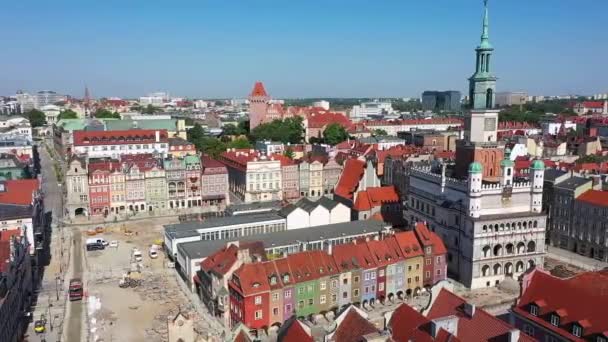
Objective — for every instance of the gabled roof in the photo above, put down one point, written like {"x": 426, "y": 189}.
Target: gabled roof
{"x": 581, "y": 298}
{"x": 481, "y": 326}
{"x": 408, "y": 244}
{"x": 292, "y": 330}
{"x": 350, "y": 177}
{"x": 407, "y": 325}
{"x": 221, "y": 261}
{"x": 374, "y": 197}
{"x": 352, "y": 326}
{"x": 426, "y": 238}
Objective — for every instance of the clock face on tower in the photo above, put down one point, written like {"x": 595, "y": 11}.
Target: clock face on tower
{"x": 490, "y": 124}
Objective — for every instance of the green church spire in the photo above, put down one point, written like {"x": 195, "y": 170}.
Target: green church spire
{"x": 485, "y": 36}
{"x": 483, "y": 83}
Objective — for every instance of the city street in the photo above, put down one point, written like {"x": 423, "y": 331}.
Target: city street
{"x": 52, "y": 292}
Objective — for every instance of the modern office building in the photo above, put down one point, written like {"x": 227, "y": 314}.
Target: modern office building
{"x": 441, "y": 101}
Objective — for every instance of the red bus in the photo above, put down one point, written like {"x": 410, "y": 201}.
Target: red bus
{"x": 76, "y": 290}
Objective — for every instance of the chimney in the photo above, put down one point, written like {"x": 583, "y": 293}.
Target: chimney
{"x": 157, "y": 133}
{"x": 469, "y": 309}
{"x": 513, "y": 335}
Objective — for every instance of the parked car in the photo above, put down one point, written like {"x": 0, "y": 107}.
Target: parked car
{"x": 95, "y": 246}
{"x": 136, "y": 255}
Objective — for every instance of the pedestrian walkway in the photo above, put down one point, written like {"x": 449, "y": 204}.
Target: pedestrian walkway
{"x": 576, "y": 259}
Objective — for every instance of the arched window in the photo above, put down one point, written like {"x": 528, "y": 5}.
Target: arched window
{"x": 486, "y": 251}
{"x": 508, "y": 171}
{"x": 519, "y": 267}
{"x": 489, "y": 95}
{"x": 485, "y": 271}
{"x": 497, "y": 269}
{"x": 497, "y": 250}
{"x": 531, "y": 246}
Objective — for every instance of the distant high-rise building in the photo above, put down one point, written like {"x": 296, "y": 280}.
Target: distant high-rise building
{"x": 511, "y": 98}
{"x": 47, "y": 97}
{"x": 441, "y": 100}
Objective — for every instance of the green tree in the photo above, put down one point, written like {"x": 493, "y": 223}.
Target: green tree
{"x": 36, "y": 117}
{"x": 103, "y": 113}
{"x": 290, "y": 130}
{"x": 379, "y": 132}
{"x": 204, "y": 143}
{"x": 334, "y": 134}
{"x": 230, "y": 129}
{"x": 289, "y": 153}
{"x": 150, "y": 109}
{"x": 240, "y": 143}
{"x": 67, "y": 114}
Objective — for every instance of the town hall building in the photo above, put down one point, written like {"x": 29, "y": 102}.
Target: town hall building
{"x": 490, "y": 219}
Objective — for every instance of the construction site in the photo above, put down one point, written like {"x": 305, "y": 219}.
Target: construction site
{"x": 131, "y": 288}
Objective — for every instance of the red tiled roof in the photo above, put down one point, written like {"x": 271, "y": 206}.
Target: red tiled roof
{"x": 258, "y": 90}
{"x": 350, "y": 177}
{"x": 103, "y": 165}
{"x": 251, "y": 279}
{"x": 413, "y": 122}
{"x": 321, "y": 119}
{"x": 408, "y": 244}
{"x": 375, "y": 197}
{"x": 242, "y": 337}
{"x": 593, "y": 104}
{"x": 285, "y": 161}
{"x": 353, "y": 327}
{"x": 595, "y": 197}
{"x": 131, "y": 136}
{"x": 480, "y": 327}
{"x": 292, "y": 331}
{"x": 427, "y": 238}
{"x": 19, "y": 191}
{"x": 384, "y": 252}
{"x": 408, "y": 325}
{"x": 221, "y": 261}
{"x": 585, "y": 302}
{"x": 210, "y": 163}
{"x": 353, "y": 256}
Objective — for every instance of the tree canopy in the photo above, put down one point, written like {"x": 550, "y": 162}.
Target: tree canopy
{"x": 334, "y": 134}
{"x": 239, "y": 129}
{"x": 103, "y": 113}
{"x": 289, "y": 153}
{"x": 533, "y": 112}
{"x": 379, "y": 132}
{"x": 240, "y": 143}
{"x": 150, "y": 109}
{"x": 36, "y": 117}
{"x": 286, "y": 131}
{"x": 406, "y": 106}
{"x": 67, "y": 114}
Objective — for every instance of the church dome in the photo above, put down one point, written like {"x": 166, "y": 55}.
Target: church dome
{"x": 475, "y": 167}
{"x": 507, "y": 163}
{"x": 538, "y": 165}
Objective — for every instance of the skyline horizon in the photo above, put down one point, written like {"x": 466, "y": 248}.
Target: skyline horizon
{"x": 372, "y": 67}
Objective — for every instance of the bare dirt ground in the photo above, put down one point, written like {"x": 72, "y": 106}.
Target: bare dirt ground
{"x": 561, "y": 269}
{"x": 131, "y": 314}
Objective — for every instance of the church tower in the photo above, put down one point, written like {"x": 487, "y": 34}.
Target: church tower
{"x": 480, "y": 143}
{"x": 258, "y": 105}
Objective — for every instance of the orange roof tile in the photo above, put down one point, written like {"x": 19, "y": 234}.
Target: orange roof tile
{"x": 595, "y": 197}
{"x": 350, "y": 177}
{"x": 258, "y": 90}
{"x": 19, "y": 191}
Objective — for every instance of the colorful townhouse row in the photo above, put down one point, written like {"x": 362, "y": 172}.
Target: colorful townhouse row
{"x": 134, "y": 183}
{"x": 257, "y": 177}
{"x": 267, "y": 293}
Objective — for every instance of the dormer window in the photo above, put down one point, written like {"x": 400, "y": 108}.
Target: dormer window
{"x": 255, "y": 285}
{"x": 286, "y": 278}
{"x": 577, "y": 330}
{"x": 534, "y": 309}
{"x": 555, "y": 320}
{"x": 273, "y": 280}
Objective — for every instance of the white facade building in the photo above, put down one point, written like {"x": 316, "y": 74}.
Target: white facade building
{"x": 490, "y": 221}
{"x": 306, "y": 213}
{"x": 367, "y": 109}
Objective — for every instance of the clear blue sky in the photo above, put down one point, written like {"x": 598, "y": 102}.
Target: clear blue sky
{"x": 355, "y": 48}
